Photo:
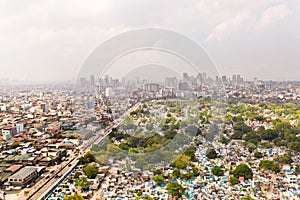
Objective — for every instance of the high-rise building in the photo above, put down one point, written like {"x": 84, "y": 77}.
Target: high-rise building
{"x": 239, "y": 79}
{"x": 106, "y": 80}
{"x": 171, "y": 82}
{"x": 185, "y": 77}
{"x": 153, "y": 87}
{"x": 234, "y": 78}
{"x": 201, "y": 77}
{"x": 224, "y": 79}
{"x": 92, "y": 80}
{"x": 183, "y": 85}
{"x": 82, "y": 82}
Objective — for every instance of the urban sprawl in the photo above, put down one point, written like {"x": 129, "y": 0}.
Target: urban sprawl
{"x": 193, "y": 137}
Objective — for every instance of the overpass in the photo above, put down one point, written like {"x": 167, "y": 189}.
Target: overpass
{"x": 47, "y": 187}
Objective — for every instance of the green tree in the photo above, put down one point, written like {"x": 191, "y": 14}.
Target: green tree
{"x": 158, "y": 172}
{"x": 14, "y": 145}
{"x": 74, "y": 197}
{"x": 217, "y": 171}
{"x": 268, "y": 134}
{"x": 259, "y": 118}
{"x": 247, "y": 198}
{"x": 297, "y": 169}
{"x": 176, "y": 173}
{"x": 223, "y": 140}
{"x": 87, "y": 158}
{"x": 243, "y": 170}
{"x": 159, "y": 180}
{"x": 286, "y": 159}
{"x": 251, "y": 146}
{"x": 238, "y": 119}
{"x": 295, "y": 146}
{"x": 77, "y": 174}
{"x": 148, "y": 198}
{"x": 175, "y": 189}
{"x": 252, "y": 137}
{"x": 233, "y": 180}
{"x": 269, "y": 165}
{"x": 90, "y": 170}
{"x": 83, "y": 183}
{"x": 191, "y": 153}
{"x": 282, "y": 126}
{"x": 211, "y": 154}
{"x": 258, "y": 154}
{"x": 181, "y": 162}
{"x": 239, "y": 130}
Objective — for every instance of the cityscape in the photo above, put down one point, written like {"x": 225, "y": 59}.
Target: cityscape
{"x": 137, "y": 139}
{"x": 150, "y": 100}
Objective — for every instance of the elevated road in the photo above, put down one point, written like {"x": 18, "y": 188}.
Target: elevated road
{"x": 42, "y": 192}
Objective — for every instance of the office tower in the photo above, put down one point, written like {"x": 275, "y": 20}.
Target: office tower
{"x": 224, "y": 79}
{"x": 185, "y": 77}
{"x": 92, "y": 80}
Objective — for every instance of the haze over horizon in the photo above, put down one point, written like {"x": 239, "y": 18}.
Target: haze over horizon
{"x": 47, "y": 41}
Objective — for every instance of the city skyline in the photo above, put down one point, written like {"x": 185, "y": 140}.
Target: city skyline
{"x": 149, "y": 99}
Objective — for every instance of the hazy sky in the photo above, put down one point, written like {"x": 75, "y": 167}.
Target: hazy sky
{"x": 49, "y": 40}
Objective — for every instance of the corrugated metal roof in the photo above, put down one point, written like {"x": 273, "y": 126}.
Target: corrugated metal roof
{"x": 24, "y": 172}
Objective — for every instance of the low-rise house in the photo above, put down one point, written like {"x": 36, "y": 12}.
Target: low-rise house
{"x": 8, "y": 132}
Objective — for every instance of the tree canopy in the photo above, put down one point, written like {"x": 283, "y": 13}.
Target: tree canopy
{"x": 90, "y": 170}
{"x": 233, "y": 180}
{"x": 74, "y": 197}
{"x": 217, "y": 171}
{"x": 243, "y": 170}
{"x": 87, "y": 158}
{"x": 211, "y": 154}
{"x": 239, "y": 130}
{"x": 159, "y": 180}
{"x": 181, "y": 162}
{"x": 175, "y": 189}
{"x": 269, "y": 165}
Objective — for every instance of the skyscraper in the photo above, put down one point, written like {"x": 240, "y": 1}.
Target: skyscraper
{"x": 92, "y": 80}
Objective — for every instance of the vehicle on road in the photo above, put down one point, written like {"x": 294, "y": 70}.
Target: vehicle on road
{"x": 58, "y": 175}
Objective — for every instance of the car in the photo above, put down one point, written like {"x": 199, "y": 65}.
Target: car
{"x": 58, "y": 175}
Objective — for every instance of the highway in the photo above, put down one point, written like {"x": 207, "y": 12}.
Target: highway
{"x": 44, "y": 186}
{"x": 39, "y": 193}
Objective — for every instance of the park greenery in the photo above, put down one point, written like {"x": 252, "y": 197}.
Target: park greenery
{"x": 171, "y": 131}
{"x": 281, "y": 120}
{"x": 155, "y": 132}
